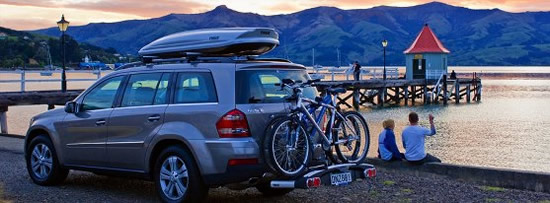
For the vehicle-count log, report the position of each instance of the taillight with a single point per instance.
(313, 182)
(237, 162)
(233, 124)
(370, 173)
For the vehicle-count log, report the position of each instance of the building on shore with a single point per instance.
(426, 58)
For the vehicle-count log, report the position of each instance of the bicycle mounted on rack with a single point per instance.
(297, 147)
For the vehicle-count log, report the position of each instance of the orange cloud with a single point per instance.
(34, 14)
(144, 8)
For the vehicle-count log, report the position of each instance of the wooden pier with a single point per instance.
(378, 93)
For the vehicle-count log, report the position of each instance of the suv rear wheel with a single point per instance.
(177, 177)
(42, 163)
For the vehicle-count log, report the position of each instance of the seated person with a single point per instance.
(387, 149)
(413, 140)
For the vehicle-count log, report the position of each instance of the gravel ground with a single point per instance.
(16, 186)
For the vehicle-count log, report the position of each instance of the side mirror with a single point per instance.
(70, 107)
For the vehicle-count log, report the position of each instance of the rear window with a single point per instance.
(195, 87)
(258, 86)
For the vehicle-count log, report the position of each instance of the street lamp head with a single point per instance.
(63, 24)
(385, 43)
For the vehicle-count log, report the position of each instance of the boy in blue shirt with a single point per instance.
(387, 149)
(413, 140)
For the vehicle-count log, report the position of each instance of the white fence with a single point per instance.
(23, 73)
(346, 73)
(332, 74)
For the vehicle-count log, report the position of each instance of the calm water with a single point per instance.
(510, 128)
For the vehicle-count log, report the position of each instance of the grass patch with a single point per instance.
(389, 183)
(544, 201)
(406, 191)
(492, 200)
(374, 194)
(405, 200)
(492, 189)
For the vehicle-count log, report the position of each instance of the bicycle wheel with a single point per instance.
(352, 140)
(287, 147)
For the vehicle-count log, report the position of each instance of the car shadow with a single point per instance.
(121, 188)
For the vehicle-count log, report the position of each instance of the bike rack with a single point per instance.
(318, 177)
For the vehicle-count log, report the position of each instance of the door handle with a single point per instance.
(100, 122)
(153, 118)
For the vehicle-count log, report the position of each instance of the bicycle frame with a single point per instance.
(328, 103)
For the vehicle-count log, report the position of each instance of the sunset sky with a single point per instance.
(35, 14)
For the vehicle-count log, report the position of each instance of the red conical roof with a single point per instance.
(426, 42)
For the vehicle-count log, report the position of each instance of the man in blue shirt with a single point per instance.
(413, 140)
(387, 149)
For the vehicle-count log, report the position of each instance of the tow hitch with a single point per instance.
(339, 174)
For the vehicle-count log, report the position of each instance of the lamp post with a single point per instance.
(63, 25)
(385, 44)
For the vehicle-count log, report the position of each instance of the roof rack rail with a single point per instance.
(192, 58)
(273, 59)
(129, 65)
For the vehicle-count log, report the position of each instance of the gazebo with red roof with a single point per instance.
(426, 57)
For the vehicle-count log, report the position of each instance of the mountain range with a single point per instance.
(474, 37)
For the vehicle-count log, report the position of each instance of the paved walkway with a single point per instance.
(16, 186)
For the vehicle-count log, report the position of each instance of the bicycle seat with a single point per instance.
(338, 90)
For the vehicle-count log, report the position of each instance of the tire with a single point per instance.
(354, 151)
(42, 162)
(270, 143)
(267, 191)
(176, 185)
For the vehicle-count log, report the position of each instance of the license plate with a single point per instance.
(340, 178)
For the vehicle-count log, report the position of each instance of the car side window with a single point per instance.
(103, 95)
(195, 87)
(140, 89)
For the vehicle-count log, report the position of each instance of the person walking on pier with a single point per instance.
(413, 137)
(356, 71)
(453, 75)
(387, 149)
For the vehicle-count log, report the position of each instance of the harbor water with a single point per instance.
(509, 128)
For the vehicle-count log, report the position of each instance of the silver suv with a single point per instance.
(186, 125)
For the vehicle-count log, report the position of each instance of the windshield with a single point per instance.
(258, 86)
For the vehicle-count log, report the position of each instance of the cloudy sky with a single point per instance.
(34, 14)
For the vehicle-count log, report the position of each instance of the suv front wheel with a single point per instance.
(42, 163)
(177, 177)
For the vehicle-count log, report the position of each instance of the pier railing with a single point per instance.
(23, 80)
(346, 73)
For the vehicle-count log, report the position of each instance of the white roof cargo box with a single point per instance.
(214, 42)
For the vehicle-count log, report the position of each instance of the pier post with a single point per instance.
(381, 97)
(396, 96)
(468, 91)
(3, 119)
(426, 99)
(22, 81)
(413, 90)
(406, 89)
(98, 73)
(356, 101)
(445, 90)
(457, 91)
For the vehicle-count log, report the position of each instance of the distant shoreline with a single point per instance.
(508, 76)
